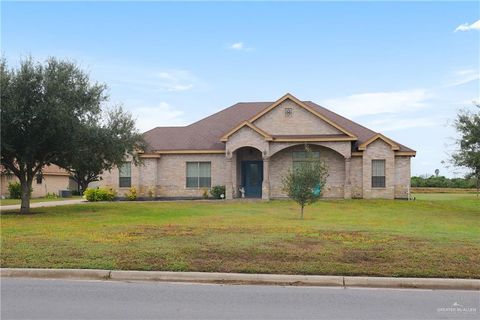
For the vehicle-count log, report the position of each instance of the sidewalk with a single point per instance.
(244, 278)
(44, 204)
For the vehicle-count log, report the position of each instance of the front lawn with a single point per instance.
(422, 238)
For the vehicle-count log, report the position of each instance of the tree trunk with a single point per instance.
(26, 186)
(83, 185)
(301, 212)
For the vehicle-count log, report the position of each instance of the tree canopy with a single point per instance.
(48, 112)
(468, 153)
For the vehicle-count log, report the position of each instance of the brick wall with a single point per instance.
(300, 122)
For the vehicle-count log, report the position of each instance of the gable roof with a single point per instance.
(288, 96)
(251, 126)
(206, 134)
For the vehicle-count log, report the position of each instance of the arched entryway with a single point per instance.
(249, 171)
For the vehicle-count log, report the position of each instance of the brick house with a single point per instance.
(252, 145)
(52, 179)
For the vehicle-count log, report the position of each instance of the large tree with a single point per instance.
(102, 145)
(468, 153)
(44, 108)
(304, 183)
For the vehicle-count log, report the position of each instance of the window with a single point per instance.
(198, 174)
(39, 178)
(125, 175)
(288, 112)
(378, 173)
(300, 157)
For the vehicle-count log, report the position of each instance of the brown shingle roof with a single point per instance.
(206, 133)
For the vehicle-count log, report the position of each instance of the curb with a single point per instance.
(87, 274)
(244, 278)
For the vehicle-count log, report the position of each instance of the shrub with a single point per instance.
(99, 194)
(151, 192)
(131, 194)
(217, 191)
(51, 195)
(15, 190)
(205, 194)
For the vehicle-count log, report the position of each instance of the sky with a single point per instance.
(400, 68)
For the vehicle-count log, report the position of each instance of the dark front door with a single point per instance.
(252, 178)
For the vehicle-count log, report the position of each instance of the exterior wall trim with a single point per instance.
(251, 126)
(406, 153)
(306, 107)
(190, 151)
(313, 139)
(392, 144)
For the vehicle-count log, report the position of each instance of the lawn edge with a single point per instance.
(243, 278)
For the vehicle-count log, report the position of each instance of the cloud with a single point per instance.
(393, 123)
(364, 104)
(464, 76)
(468, 27)
(177, 80)
(239, 46)
(162, 114)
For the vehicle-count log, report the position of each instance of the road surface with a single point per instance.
(68, 299)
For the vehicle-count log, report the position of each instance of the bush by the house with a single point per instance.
(51, 195)
(205, 194)
(15, 190)
(99, 194)
(217, 191)
(131, 194)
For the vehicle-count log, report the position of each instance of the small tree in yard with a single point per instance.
(468, 153)
(304, 184)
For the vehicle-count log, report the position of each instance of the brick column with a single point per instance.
(348, 184)
(228, 180)
(266, 179)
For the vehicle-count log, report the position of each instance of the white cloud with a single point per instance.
(237, 46)
(464, 76)
(390, 123)
(240, 46)
(162, 114)
(379, 102)
(177, 80)
(468, 27)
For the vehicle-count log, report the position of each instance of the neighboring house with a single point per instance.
(51, 180)
(252, 145)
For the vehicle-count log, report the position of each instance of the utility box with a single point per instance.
(64, 193)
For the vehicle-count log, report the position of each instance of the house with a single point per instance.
(252, 145)
(52, 179)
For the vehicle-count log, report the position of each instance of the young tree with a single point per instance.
(468, 153)
(304, 184)
(102, 145)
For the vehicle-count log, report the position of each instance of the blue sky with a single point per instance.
(403, 69)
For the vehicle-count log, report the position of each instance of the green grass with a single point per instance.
(422, 238)
(7, 202)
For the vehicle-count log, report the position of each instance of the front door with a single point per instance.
(252, 178)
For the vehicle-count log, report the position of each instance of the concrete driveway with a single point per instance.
(44, 204)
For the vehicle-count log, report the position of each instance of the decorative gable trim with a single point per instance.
(306, 107)
(251, 126)
(392, 143)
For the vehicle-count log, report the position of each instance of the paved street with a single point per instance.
(60, 299)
